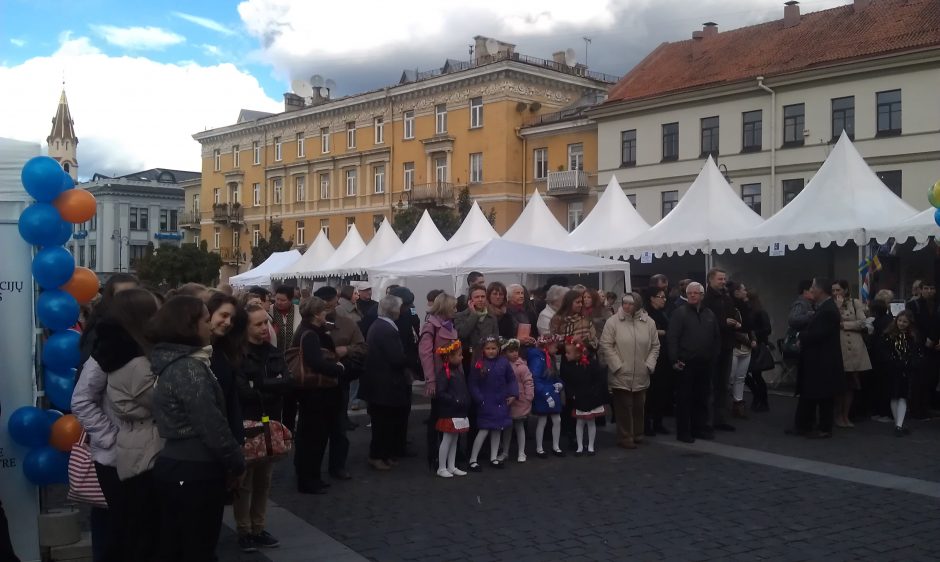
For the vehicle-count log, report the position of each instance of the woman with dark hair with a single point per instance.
(496, 302)
(659, 395)
(201, 461)
(347, 306)
(904, 354)
(229, 323)
(114, 285)
(744, 344)
(568, 321)
(761, 327)
(593, 309)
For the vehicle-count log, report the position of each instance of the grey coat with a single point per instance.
(130, 394)
(472, 328)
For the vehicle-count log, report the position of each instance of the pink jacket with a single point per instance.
(435, 333)
(521, 406)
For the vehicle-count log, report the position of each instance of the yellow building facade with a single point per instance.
(327, 164)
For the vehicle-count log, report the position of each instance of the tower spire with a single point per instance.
(62, 141)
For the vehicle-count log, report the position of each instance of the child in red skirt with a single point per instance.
(453, 406)
(586, 388)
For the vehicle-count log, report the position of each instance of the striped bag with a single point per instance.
(83, 480)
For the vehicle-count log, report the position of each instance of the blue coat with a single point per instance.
(453, 398)
(490, 391)
(544, 385)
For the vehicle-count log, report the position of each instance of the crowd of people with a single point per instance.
(174, 388)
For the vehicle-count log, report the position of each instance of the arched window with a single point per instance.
(66, 167)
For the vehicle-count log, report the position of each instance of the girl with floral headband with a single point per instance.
(453, 403)
(520, 407)
(493, 387)
(586, 389)
(547, 400)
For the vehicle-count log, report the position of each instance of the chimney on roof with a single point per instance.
(791, 13)
(709, 29)
(860, 5)
(293, 102)
(697, 48)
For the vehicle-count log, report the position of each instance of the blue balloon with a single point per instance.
(29, 426)
(936, 217)
(59, 387)
(45, 465)
(53, 267)
(54, 415)
(62, 235)
(41, 225)
(42, 178)
(61, 352)
(67, 181)
(57, 310)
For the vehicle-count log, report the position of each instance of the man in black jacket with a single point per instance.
(693, 337)
(721, 304)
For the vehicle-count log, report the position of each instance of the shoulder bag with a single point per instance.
(83, 480)
(304, 377)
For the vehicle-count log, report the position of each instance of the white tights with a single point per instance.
(447, 453)
(739, 365)
(519, 426)
(556, 432)
(478, 444)
(899, 410)
(591, 431)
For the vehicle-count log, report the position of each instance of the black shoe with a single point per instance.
(579, 453)
(341, 474)
(318, 488)
(795, 432)
(685, 438)
(901, 431)
(264, 539)
(496, 463)
(662, 430)
(706, 435)
(246, 543)
(649, 432)
(541, 454)
(724, 427)
(475, 467)
(559, 453)
(591, 453)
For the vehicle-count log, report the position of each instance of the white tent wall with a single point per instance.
(674, 267)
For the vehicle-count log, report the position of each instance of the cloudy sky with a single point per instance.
(142, 77)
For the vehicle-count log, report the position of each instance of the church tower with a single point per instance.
(62, 141)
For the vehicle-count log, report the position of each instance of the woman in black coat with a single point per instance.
(659, 398)
(761, 327)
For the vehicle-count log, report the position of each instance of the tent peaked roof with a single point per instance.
(349, 248)
(537, 226)
(612, 222)
(424, 239)
(921, 227)
(261, 275)
(474, 229)
(316, 254)
(709, 210)
(384, 243)
(844, 198)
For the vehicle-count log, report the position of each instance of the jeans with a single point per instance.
(191, 519)
(322, 422)
(107, 524)
(251, 503)
(739, 365)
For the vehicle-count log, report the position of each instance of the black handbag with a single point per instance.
(790, 348)
(762, 359)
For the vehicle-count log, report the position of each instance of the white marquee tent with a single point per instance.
(349, 248)
(843, 200)
(424, 239)
(316, 255)
(383, 244)
(612, 222)
(537, 226)
(921, 227)
(709, 210)
(261, 275)
(473, 229)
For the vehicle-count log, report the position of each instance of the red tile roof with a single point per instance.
(821, 39)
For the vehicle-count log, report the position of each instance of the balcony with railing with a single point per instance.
(231, 255)
(569, 183)
(189, 220)
(437, 194)
(228, 213)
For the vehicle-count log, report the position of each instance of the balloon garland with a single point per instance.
(47, 223)
(933, 195)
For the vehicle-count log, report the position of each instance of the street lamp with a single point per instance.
(118, 235)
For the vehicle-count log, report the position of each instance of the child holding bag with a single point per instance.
(453, 405)
(520, 407)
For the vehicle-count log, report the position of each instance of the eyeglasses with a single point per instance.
(659, 296)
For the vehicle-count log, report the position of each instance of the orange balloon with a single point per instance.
(75, 205)
(65, 433)
(83, 285)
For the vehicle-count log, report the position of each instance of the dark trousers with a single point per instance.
(191, 519)
(806, 412)
(141, 517)
(6, 545)
(389, 431)
(107, 524)
(322, 422)
(923, 385)
(289, 412)
(758, 387)
(659, 396)
(720, 399)
(692, 392)
(433, 436)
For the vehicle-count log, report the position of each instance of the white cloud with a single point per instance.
(205, 22)
(138, 37)
(211, 50)
(17, 42)
(130, 113)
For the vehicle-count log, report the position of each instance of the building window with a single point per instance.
(891, 179)
(137, 252)
(256, 194)
(843, 117)
(217, 238)
(576, 156)
(440, 169)
(133, 218)
(628, 148)
(378, 179)
(409, 118)
(791, 188)
(164, 220)
(93, 223)
(234, 196)
(575, 215)
(217, 159)
(889, 113)
(669, 201)
(235, 156)
(277, 149)
(300, 189)
(350, 223)
(81, 256)
(196, 205)
(256, 152)
(750, 194)
(409, 178)
(324, 186)
(139, 218)
(710, 137)
(325, 227)
(278, 190)
(216, 196)
(299, 239)
(632, 198)
(440, 118)
(174, 220)
(476, 167)
(92, 256)
(255, 234)
(540, 157)
(793, 124)
(670, 142)
(325, 140)
(300, 145)
(144, 218)
(236, 239)
(476, 112)
(351, 135)
(753, 131)
(379, 125)
(350, 183)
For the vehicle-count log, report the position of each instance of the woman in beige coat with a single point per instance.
(630, 347)
(854, 353)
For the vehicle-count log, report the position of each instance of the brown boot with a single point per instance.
(738, 410)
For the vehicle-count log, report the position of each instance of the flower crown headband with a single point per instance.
(448, 349)
(579, 345)
(511, 343)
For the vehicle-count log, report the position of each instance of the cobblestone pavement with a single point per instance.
(655, 503)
